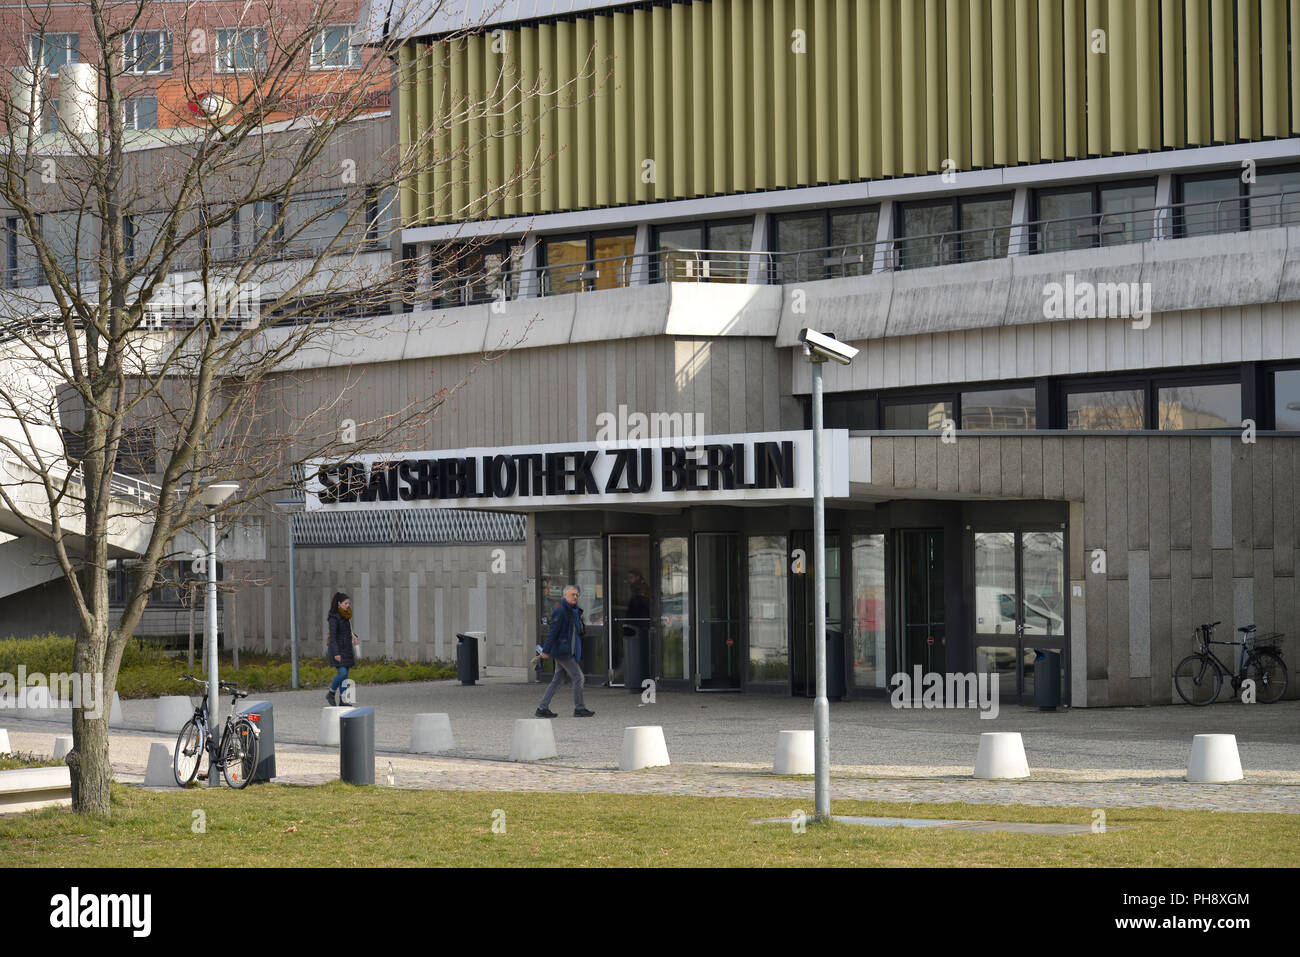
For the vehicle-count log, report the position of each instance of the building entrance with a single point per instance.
(629, 608)
(922, 637)
(803, 610)
(718, 597)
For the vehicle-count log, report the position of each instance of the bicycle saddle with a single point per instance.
(1247, 629)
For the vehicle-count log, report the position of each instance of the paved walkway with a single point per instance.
(722, 744)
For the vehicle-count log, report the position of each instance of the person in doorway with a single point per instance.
(564, 644)
(342, 642)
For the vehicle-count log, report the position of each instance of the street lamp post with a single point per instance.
(212, 496)
(818, 348)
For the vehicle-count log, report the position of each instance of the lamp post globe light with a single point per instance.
(213, 495)
(817, 348)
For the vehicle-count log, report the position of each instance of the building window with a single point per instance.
(999, 409)
(50, 116)
(52, 50)
(1223, 203)
(147, 51)
(241, 48)
(1275, 198)
(140, 113)
(379, 214)
(315, 222)
(717, 251)
(825, 243)
(468, 273)
(1199, 406)
(332, 49)
(917, 416)
(586, 261)
(1286, 400)
(965, 229)
(1083, 217)
(11, 252)
(1108, 410)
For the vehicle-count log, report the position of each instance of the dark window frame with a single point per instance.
(1269, 374)
(956, 202)
(1096, 189)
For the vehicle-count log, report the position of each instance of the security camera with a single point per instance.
(820, 346)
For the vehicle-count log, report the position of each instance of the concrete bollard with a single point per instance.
(431, 733)
(794, 753)
(328, 735)
(1214, 759)
(643, 747)
(1001, 755)
(171, 712)
(4, 742)
(533, 740)
(357, 746)
(115, 718)
(159, 772)
(62, 745)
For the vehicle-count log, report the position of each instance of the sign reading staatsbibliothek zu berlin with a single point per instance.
(753, 466)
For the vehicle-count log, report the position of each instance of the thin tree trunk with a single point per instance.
(191, 654)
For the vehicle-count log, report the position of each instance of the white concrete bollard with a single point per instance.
(643, 747)
(159, 772)
(171, 712)
(534, 739)
(115, 718)
(794, 753)
(1001, 755)
(431, 733)
(62, 745)
(4, 742)
(1214, 759)
(329, 725)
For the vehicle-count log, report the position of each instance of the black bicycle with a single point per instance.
(1199, 676)
(237, 753)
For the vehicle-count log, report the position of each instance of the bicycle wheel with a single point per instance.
(1197, 680)
(1269, 674)
(189, 753)
(240, 757)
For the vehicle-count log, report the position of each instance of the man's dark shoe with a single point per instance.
(329, 698)
(545, 713)
(584, 713)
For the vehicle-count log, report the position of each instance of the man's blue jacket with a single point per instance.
(562, 639)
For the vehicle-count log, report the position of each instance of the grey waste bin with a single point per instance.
(466, 659)
(834, 665)
(1047, 680)
(636, 654)
(265, 741)
(357, 746)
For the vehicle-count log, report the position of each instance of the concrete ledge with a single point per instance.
(28, 789)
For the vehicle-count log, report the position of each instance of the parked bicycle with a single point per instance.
(237, 753)
(1199, 676)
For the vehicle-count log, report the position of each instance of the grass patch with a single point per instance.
(21, 759)
(147, 672)
(341, 825)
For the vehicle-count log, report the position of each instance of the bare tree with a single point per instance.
(165, 278)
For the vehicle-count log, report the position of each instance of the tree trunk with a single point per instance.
(89, 760)
(190, 659)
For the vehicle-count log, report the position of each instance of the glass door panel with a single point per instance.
(869, 611)
(674, 608)
(922, 638)
(769, 650)
(629, 592)
(717, 650)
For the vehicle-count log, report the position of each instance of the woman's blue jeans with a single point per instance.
(339, 678)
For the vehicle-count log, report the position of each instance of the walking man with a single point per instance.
(564, 644)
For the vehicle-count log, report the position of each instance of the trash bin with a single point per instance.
(265, 741)
(1047, 680)
(466, 659)
(636, 655)
(834, 664)
(357, 746)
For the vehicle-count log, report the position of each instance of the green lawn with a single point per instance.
(337, 824)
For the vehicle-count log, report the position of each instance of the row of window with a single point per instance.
(1164, 401)
(841, 241)
(237, 49)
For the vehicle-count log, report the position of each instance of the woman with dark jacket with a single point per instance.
(342, 641)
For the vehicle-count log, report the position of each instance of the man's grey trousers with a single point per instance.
(566, 669)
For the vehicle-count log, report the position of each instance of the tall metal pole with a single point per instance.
(293, 611)
(214, 699)
(821, 706)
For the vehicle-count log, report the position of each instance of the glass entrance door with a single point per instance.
(922, 637)
(718, 587)
(629, 602)
(803, 653)
(1019, 605)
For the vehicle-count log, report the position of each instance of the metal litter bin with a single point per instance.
(1047, 680)
(265, 741)
(467, 659)
(357, 746)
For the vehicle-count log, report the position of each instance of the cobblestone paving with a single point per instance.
(1263, 791)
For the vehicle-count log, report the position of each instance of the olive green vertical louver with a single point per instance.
(707, 97)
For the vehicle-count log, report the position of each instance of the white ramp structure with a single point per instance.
(1001, 755)
(1214, 759)
(431, 733)
(533, 740)
(794, 753)
(643, 747)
